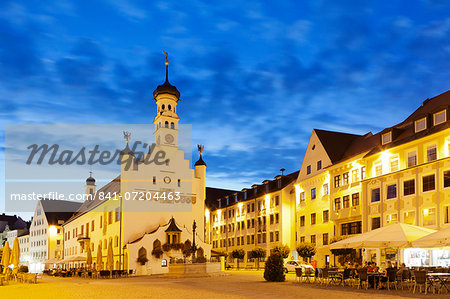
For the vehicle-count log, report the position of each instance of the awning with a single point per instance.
(441, 238)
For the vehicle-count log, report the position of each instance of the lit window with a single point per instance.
(363, 173)
(302, 196)
(431, 153)
(439, 117)
(355, 175)
(429, 217)
(325, 189)
(345, 178)
(346, 201)
(412, 159)
(386, 138)
(394, 164)
(391, 218)
(410, 217)
(337, 203)
(420, 124)
(378, 169)
(446, 178)
(337, 181)
(355, 199)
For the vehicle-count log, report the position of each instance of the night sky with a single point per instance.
(255, 76)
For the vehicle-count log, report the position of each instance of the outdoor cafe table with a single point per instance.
(441, 278)
(335, 276)
(375, 278)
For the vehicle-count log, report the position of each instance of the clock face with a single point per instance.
(169, 138)
(167, 180)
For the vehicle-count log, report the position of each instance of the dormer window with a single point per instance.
(439, 117)
(420, 124)
(386, 138)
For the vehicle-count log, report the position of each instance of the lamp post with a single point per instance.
(194, 247)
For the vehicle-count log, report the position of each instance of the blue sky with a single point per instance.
(255, 76)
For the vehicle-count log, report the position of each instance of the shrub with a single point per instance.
(283, 250)
(306, 251)
(274, 268)
(187, 249)
(23, 269)
(238, 254)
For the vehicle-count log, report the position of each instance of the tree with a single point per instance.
(283, 250)
(238, 254)
(274, 268)
(187, 249)
(306, 251)
(258, 253)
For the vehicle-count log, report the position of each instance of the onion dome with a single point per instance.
(90, 180)
(127, 151)
(200, 162)
(166, 87)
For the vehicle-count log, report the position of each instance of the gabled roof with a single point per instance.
(58, 210)
(213, 194)
(335, 143)
(13, 222)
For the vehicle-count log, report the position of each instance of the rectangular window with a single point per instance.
(117, 214)
(409, 187)
(302, 196)
(345, 178)
(428, 183)
(346, 201)
(386, 138)
(351, 228)
(375, 195)
(302, 239)
(319, 164)
(392, 191)
(337, 203)
(271, 237)
(447, 214)
(277, 218)
(439, 117)
(302, 220)
(325, 189)
(391, 218)
(420, 124)
(271, 219)
(394, 164)
(376, 223)
(313, 193)
(410, 217)
(446, 178)
(326, 216)
(92, 225)
(308, 169)
(429, 217)
(355, 199)
(325, 239)
(110, 217)
(412, 159)
(337, 181)
(363, 173)
(277, 200)
(277, 236)
(253, 206)
(355, 175)
(313, 239)
(313, 218)
(378, 169)
(431, 153)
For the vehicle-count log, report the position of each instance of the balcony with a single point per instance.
(83, 239)
(344, 213)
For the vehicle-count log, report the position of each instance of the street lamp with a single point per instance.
(194, 247)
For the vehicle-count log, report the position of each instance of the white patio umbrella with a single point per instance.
(391, 236)
(441, 238)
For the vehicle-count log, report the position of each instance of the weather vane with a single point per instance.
(167, 57)
(200, 148)
(127, 136)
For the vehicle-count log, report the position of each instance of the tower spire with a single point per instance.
(167, 65)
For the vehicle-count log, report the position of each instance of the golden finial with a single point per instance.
(200, 148)
(167, 57)
(127, 136)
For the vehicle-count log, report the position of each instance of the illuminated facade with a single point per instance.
(261, 216)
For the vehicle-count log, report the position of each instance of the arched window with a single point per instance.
(172, 125)
(170, 107)
(142, 256)
(167, 124)
(163, 106)
(116, 241)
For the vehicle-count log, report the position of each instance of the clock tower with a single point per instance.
(166, 119)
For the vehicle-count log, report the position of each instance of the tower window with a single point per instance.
(167, 124)
(172, 125)
(170, 107)
(163, 107)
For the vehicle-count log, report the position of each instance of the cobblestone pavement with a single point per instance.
(233, 284)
